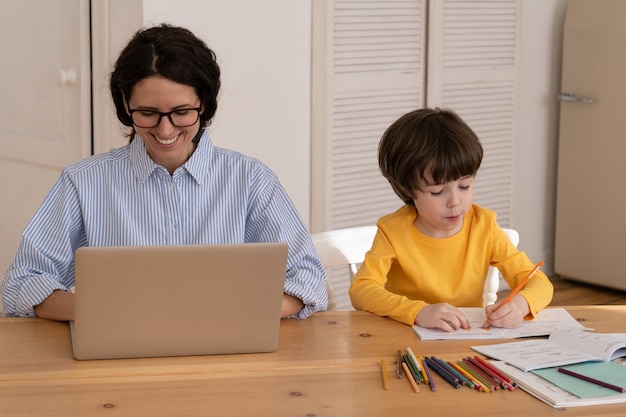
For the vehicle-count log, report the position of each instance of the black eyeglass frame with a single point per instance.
(161, 114)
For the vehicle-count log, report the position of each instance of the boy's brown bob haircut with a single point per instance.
(434, 142)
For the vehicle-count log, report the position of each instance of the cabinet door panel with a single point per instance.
(45, 111)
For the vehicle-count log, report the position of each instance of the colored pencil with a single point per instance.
(424, 374)
(431, 382)
(453, 374)
(516, 290)
(407, 372)
(462, 378)
(414, 372)
(472, 370)
(473, 382)
(592, 380)
(383, 370)
(479, 370)
(480, 385)
(495, 379)
(413, 365)
(409, 352)
(436, 367)
(497, 372)
(399, 364)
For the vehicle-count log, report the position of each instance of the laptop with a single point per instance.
(155, 301)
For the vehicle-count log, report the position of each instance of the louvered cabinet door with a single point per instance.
(376, 60)
(373, 61)
(368, 69)
(473, 64)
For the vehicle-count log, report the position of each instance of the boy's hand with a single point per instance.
(509, 315)
(442, 316)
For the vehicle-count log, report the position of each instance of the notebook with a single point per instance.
(154, 301)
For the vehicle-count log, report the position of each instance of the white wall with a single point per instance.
(537, 140)
(264, 51)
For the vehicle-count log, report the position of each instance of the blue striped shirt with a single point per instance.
(122, 198)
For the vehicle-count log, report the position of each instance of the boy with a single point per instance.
(431, 256)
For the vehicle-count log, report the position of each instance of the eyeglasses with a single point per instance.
(178, 118)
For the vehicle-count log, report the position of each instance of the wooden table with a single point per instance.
(327, 365)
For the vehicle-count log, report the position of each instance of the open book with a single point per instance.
(561, 348)
(546, 322)
(551, 394)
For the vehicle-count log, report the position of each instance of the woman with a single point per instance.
(170, 185)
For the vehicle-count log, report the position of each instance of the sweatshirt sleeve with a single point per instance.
(368, 292)
(514, 265)
(538, 291)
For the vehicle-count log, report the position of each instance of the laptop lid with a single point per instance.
(151, 301)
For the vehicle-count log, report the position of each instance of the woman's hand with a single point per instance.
(509, 315)
(442, 316)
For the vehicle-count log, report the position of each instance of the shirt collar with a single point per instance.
(197, 165)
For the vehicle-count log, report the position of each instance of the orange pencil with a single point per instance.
(516, 290)
(409, 376)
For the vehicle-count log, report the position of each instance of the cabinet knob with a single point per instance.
(67, 76)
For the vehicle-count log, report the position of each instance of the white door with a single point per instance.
(45, 105)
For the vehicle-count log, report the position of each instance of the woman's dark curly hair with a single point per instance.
(171, 52)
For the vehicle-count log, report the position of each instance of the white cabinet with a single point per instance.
(590, 223)
(45, 105)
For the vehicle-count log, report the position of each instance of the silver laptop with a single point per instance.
(152, 301)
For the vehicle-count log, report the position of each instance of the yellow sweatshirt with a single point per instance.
(406, 270)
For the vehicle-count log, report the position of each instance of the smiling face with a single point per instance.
(442, 207)
(167, 145)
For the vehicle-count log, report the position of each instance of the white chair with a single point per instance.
(341, 248)
(492, 282)
(347, 247)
